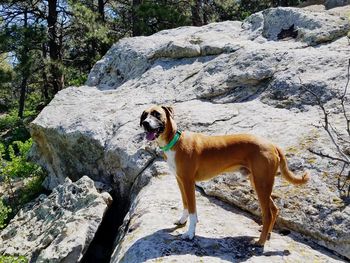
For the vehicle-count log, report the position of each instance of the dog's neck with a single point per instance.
(168, 134)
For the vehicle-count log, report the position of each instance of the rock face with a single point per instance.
(221, 78)
(223, 233)
(58, 227)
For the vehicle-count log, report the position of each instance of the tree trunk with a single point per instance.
(101, 9)
(136, 31)
(196, 10)
(45, 86)
(205, 11)
(54, 48)
(22, 97)
(24, 67)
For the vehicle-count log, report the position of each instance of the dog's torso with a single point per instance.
(207, 156)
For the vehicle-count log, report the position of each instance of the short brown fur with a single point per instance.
(200, 157)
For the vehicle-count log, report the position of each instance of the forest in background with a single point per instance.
(48, 45)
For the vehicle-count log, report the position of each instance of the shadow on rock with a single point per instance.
(162, 244)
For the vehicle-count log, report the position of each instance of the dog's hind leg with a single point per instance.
(263, 178)
(274, 212)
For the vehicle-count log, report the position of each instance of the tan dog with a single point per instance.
(196, 157)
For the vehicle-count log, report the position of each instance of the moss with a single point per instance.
(311, 160)
(304, 144)
(196, 41)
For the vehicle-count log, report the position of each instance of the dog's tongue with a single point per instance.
(151, 136)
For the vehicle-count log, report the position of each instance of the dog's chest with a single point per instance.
(170, 155)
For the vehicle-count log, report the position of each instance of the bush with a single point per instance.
(4, 214)
(17, 166)
(31, 189)
(12, 128)
(9, 121)
(13, 259)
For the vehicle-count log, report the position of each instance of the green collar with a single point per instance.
(173, 141)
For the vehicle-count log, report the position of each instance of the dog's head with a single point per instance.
(154, 120)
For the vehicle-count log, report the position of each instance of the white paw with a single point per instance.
(188, 235)
(180, 222)
(191, 228)
(183, 218)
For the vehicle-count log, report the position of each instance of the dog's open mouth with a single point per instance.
(152, 135)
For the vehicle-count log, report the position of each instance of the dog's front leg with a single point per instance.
(189, 187)
(183, 219)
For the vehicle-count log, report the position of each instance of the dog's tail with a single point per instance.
(288, 175)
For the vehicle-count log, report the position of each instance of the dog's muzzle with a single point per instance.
(152, 133)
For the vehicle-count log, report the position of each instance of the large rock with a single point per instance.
(221, 78)
(58, 227)
(223, 233)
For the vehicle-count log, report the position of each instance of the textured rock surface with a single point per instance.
(58, 227)
(221, 78)
(223, 233)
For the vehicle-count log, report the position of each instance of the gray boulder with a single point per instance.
(224, 234)
(58, 227)
(221, 78)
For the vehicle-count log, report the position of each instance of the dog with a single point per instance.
(197, 157)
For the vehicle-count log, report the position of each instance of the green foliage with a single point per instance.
(6, 69)
(4, 214)
(224, 10)
(6, 76)
(31, 189)
(12, 128)
(75, 77)
(89, 39)
(9, 121)
(18, 166)
(33, 100)
(13, 259)
(154, 16)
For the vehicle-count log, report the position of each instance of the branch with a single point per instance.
(321, 154)
(342, 99)
(340, 175)
(326, 126)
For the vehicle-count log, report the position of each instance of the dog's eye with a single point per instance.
(155, 114)
(143, 117)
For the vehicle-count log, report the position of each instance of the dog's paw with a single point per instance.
(255, 243)
(180, 222)
(187, 236)
(183, 219)
(259, 243)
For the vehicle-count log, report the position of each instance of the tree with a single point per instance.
(54, 45)
(21, 36)
(87, 39)
(53, 41)
(149, 17)
(6, 76)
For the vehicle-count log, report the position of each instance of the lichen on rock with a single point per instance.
(58, 227)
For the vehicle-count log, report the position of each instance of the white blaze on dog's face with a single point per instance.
(154, 121)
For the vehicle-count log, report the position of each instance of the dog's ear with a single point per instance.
(169, 111)
(143, 117)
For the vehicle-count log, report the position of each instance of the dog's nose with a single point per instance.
(146, 125)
